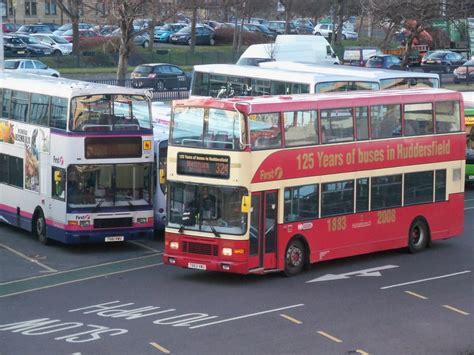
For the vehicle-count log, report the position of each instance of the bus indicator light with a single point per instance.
(147, 145)
(239, 251)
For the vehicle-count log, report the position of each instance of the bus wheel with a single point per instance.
(294, 257)
(418, 236)
(40, 228)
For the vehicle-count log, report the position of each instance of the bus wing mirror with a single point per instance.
(162, 176)
(245, 207)
(57, 176)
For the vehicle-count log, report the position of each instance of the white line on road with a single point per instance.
(80, 268)
(468, 208)
(423, 280)
(246, 316)
(16, 252)
(160, 348)
(79, 280)
(471, 199)
(145, 246)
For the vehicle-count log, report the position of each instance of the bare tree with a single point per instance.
(71, 8)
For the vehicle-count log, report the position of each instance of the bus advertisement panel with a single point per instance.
(276, 183)
(76, 160)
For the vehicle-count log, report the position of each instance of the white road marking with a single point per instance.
(16, 252)
(245, 316)
(145, 246)
(455, 310)
(291, 319)
(423, 280)
(80, 268)
(79, 280)
(375, 271)
(416, 295)
(329, 336)
(468, 208)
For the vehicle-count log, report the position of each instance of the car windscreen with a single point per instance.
(11, 64)
(437, 55)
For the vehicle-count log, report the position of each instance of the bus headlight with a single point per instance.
(174, 245)
(227, 251)
(142, 220)
(85, 224)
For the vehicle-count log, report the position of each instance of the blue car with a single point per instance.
(163, 33)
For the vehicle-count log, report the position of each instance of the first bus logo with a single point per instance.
(58, 160)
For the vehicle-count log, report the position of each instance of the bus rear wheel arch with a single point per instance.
(296, 256)
(39, 227)
(418, 235)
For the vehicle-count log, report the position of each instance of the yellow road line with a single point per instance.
(455, 310)
(291, 319)
(160, 348)
(362, 352)
(416, 295)
(324, 334)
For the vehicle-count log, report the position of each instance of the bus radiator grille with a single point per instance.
(198, 248)
(113, 222)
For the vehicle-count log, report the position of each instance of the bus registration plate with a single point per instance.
(196, 266)
(117, 238)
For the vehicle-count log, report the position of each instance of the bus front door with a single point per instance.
(263, 230)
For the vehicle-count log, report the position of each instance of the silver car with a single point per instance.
(30, 66)
(60, 45)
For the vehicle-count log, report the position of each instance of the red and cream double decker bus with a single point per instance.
(76, 159)
(266, 184)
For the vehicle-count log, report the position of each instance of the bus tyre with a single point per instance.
(418, 236)
(40, 228)
(294, 257)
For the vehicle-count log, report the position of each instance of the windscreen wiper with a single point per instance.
(181, 229)
(98, 205)
(213, 229)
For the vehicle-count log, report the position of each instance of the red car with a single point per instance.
(84, 36)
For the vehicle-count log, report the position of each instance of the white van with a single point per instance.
(301, 48)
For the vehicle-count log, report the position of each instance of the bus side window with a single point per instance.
(448, 118)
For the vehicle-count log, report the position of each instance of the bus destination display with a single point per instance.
(203, 165)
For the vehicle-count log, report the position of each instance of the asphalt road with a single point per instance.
(121, 299)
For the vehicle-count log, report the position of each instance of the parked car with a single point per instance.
(163, 33)
(326, 30)
(14, 47)
(52, 26)
(84, 36)
(68, 26)
(104, 30)
(358, 56)
(10, 27)
(279, 27)
(384, 61)
(30, 66)
(27, 29)
(59, 44)
(464, 72)
(140, 40)
(160, 76)
(204, 35)
(261, 29)
(35, 47)
(441, 60)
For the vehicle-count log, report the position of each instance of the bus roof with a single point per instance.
(276, 73)
(60, 87)
(260, 104)
(371, 73)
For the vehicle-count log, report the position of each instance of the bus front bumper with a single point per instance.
(100, 236)
(206, 264)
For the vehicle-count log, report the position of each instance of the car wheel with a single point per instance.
(418, 236)
(317, 34)
(55, 76)
(344, 37)
(447, 69)
(57, 52)
(137, 84)
(146, 44)
(189, 42)
(295, 257)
